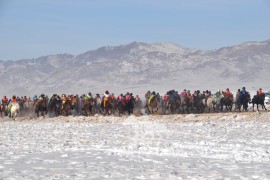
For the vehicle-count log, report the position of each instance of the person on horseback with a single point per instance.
(153, 94)
(106, 97)
(64, 100)
(207, 94)
(184, 93)
(24, 99)
(127, 96)
(227, 92)
(259, 92)
(158, 95)
(5, 100)
(88, 98)
(242, 94)
(119, 98)
(217, 94)
(13, 99)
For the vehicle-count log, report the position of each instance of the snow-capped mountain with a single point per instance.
(138, 67)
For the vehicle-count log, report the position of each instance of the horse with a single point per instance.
(87, 108)
(97, 106)
(54, 106)
(184, 103)
(121, 106)
(258, 100)
(41, 106)
(130, 105)
(13, 109)
(212, 102)
(28, 107)
(4, 109)
(227, 101)
(243, 101)
(198, 103)
(66, 108)
(153, 104)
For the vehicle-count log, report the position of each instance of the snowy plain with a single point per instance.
(206, 146)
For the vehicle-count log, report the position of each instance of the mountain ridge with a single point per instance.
(139, 67)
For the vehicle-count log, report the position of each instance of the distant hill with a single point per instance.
(139, 67)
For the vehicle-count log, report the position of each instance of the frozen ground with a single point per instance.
(148, 147)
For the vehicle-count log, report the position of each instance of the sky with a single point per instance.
(34, 28)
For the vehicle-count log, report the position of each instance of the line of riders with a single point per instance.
(72, 104)
(197, 102)
(106, 104)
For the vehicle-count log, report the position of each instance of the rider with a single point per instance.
(106, 97)
(217, 94)
(13, 99)
(242, 93)
(153, 94)
(184, 93)
(89, 97)
(24, 99)
(127, 96)
(207, 94)
(137, 99)
(238, 93)
(64, 99)
(119, 98)
(259, 92)
(5, 100)
(227, 92)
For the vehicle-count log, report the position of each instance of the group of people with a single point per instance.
(99, 99)
(102, 99)
(198, 99)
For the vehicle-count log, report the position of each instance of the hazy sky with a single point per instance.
(32, 28)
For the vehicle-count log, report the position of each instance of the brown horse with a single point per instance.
(153, 104)
(227, 101)
(4, 109)
(88, 108)
(41, 106)
(121, 107)
(66, 108)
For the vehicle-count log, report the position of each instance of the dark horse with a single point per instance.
(198, 103)
(130, 105)
(243, 101)
(54, 106)
(121, 106)
(41, 106)
(258, 100)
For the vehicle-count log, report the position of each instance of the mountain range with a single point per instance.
(138, 67)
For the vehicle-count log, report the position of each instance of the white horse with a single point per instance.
(213, 102)
(15, 107)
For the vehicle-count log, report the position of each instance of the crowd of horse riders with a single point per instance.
(171, 102)
(197, 102)
(73, 104)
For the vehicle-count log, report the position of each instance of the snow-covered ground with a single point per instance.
(206, 146)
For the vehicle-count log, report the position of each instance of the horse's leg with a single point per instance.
(258, 107)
